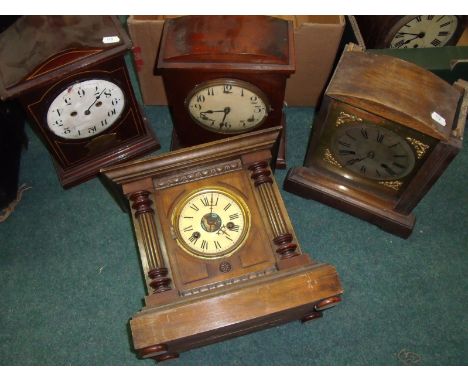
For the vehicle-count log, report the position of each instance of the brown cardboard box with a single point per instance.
(316, 37)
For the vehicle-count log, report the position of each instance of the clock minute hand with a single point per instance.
(97, 97)
(226, 111)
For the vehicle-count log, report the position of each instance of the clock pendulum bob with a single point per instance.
(385, 132)
(218, 249)
(225, 75)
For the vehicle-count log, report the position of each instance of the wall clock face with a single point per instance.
(227, 106)
(211, 223)
(425, 32)
(373, 152)
(85, 109)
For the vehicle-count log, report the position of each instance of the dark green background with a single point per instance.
(70, 276)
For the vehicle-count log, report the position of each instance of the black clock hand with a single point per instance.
(412, 34)
(355, 160)
(227, 110)
(97, 97)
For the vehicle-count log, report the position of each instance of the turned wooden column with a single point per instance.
(261, 175)
(144, 214)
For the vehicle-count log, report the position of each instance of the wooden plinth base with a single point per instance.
(239, 309)
(310, 184)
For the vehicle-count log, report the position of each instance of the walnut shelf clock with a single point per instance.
(386, 131)
(225, 75)
(218, 250)
(69, 74)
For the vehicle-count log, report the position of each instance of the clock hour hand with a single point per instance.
(355, 160)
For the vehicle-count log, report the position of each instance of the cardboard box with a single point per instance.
(317, 39)
(449, 62)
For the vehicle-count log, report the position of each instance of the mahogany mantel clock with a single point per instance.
(69, 74)
(225, 75)
(386, 131)
(218, 250)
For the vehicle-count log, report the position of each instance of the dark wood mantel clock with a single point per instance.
(218, 250)
(386, 131)
(69, 74)
(225, 75)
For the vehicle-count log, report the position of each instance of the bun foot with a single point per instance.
(327, 303)
(311, 316)
(165, 357)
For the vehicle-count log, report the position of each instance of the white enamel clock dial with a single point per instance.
(227, 106)
(425, 32)
(373, 152)
(211, 223)
(85, 109)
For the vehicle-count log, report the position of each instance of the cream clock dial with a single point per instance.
(425, 32)
(211, 223)
(85, 109)
(373, 152)
(227, 106)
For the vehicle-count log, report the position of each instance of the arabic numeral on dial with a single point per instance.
(115, 101)
(58, 122)
(67, 131)
(227, 89)
(67, 101)
(92, 130)
(81, 92)
(254, 99)
(258, 109)
(107, 93)
(104, 122)
(112, 112)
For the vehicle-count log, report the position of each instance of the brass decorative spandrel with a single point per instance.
(419, 147)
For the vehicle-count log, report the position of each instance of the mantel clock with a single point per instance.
(403, 32)
(386, 131)
(225, 75)
(218, 250)
(69, 74)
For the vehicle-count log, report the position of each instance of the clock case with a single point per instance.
(378, 31)
(73, 51)
(265, 282)
(398, 95)
(196, 49)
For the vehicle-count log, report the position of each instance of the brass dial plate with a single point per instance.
(211, 223)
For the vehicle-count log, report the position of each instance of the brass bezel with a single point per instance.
(222, 190)
(231, 81)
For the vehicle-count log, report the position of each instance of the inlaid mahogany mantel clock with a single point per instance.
(386, 131)
(69, 74)
(218, 250)
(225, 75)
